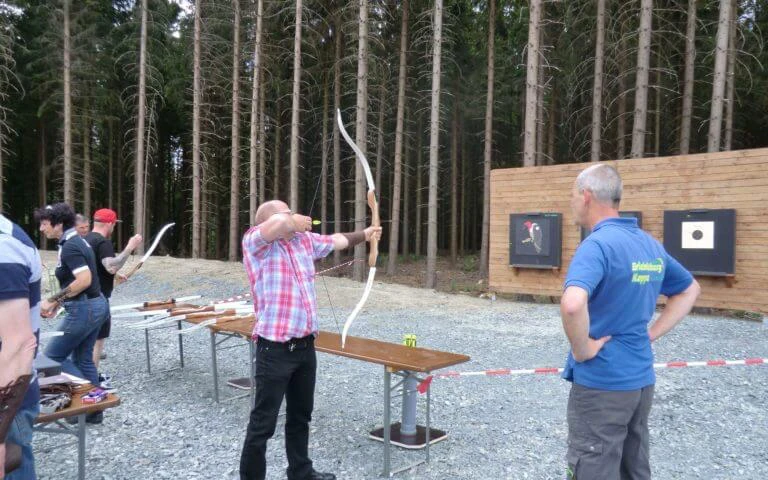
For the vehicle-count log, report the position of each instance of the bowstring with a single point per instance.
(321, 274)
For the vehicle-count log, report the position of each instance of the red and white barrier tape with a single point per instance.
(244, 296)
(424, 385)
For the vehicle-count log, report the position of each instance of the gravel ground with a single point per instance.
(706, 422)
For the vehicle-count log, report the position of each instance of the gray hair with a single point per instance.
(80, 219)
(603, 181)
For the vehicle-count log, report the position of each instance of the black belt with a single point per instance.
(291, 345)
(83, 296)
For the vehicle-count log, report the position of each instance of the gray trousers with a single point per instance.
(608, 434)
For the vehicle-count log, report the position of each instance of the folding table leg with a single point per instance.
(146, 349)
(214, 368)
(387, 420)
(181, 346)
(81, 446)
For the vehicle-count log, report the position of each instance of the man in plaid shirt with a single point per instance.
(279, 253)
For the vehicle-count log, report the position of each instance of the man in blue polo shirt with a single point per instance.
(611, 289)
(20, 272)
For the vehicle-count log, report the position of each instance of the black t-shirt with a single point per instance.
(75, 255)
(102, 248)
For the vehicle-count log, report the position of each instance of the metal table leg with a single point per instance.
(181, 346)
(81, 447)
(214, 368)
(387, 413)
(146, 349)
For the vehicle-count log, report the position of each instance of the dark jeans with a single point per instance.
(608, 434)
(281, 372)
(74, 349)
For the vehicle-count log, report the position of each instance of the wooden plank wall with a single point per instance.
(737, 179)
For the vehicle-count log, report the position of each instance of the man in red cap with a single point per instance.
(107, 264)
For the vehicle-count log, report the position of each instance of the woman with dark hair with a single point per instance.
(86, 308)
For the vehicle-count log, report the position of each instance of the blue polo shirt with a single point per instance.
(623, 269)
(20, 274)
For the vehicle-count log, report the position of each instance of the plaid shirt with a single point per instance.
(282, 278)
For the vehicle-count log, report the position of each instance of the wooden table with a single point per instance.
(400, 360)
(405, 362)
(52, 423)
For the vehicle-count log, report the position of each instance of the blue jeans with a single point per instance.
(20, 433)
(74, 349)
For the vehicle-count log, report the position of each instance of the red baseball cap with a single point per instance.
(105, 215)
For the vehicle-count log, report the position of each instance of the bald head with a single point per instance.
(267, 209)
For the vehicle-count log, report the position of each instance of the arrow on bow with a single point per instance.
(375, 222)
(149, 252)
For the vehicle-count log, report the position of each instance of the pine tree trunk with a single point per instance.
(419, 181)
(120, 192)
(262, 139)
(380, 137)
(141, 113)
(394, 231)
(657, 113)
(294, 169)
(540, 91)
(597, 89)
(87, 167)
(196, 101)
(336, 139)
(234, 180)
(257, 127)
(532, 82)
(206, 220)
(488, 141)
(454, 232)
(730, 82)
(324, 162)
(551, 132)
(111, 165)
(718, 84)
(405, 240)
(641, 85)
(276, 151)
(69, 196)
(621, 114)
(361, 134)
(690, 59)
(434, 147)
(463, 196)
(42, 198)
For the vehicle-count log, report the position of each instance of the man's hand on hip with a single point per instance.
(589, 349)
